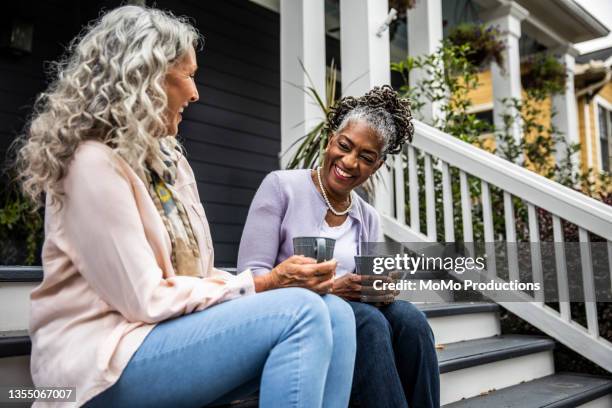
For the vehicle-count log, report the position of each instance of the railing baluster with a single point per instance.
(447, 198)
(400, 195)
(487, 220)
(466, 208)
(588, 282)
(413, 180)
(513, 269)
(430, 199)
(536, 253)
(564, 305)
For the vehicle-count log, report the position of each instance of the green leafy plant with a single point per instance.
(484, 43)
(21, 227)
(311, 146)
(449, 78)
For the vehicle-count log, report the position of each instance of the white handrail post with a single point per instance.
(511, 244)
(302, 39)
(489, 233)
(430, 200)
(560, 263)
(588, 283)
(447, 198)
(413, 181)
(536, 253)
(365, 60)
(400, 182)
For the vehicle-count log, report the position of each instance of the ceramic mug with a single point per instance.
(319, 248)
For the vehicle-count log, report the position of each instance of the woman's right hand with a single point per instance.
(303, 272)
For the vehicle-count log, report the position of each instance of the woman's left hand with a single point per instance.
(348, 286)
(360, 288)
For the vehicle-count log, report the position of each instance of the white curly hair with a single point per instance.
(108, 87)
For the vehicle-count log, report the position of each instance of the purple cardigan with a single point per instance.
(288, 205)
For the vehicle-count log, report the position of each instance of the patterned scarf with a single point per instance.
(161, 175)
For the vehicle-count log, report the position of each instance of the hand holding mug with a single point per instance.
(303, 272)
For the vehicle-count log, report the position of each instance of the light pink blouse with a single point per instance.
(108, 277)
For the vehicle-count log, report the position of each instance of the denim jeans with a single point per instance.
(296, 347)
(396, 364)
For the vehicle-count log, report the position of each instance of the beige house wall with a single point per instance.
(482, 96)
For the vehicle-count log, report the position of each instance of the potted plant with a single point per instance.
(310, 147)
(484, 43)
(543, 73)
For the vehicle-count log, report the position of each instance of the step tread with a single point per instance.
(470, 353)
(21, 273)
(561, 390)
(14, 343)
(456, 308)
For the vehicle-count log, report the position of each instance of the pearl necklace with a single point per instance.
(332, 209)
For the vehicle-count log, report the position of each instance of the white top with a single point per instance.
(346, 244)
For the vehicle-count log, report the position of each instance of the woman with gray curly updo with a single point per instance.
(131, 310)
(396, 364)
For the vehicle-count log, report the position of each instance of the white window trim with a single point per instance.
(598, 100)
(483, 107)
(480, 108)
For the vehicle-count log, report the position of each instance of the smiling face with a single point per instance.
(353, 154)
(180, 89)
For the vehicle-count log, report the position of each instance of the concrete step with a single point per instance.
(562, 390)
(469, 368)
(454, 322)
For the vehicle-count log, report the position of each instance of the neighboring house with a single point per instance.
(594, 98)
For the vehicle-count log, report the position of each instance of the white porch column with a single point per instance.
(302, 39)
(507, 84)
(365, 60)
(566, 119)
(424, 23)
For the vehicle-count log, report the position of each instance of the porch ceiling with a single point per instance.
(557, 20)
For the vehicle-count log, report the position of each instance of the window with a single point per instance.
(604, 118)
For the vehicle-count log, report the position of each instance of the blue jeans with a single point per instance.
(296, 347)
(396, 364)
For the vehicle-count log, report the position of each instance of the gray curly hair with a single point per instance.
(108, 87)
(377, 119)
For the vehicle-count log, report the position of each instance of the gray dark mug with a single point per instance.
(365, 266)
(319, 248)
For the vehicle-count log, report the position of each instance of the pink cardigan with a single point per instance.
(108, 277)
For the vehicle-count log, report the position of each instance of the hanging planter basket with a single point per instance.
(543, 73)
(485, 44)
(402, 7)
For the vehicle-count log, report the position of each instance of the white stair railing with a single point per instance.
(589, 215)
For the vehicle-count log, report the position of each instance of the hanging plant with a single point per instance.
(402, 7)
(485, 43)
(543, 74)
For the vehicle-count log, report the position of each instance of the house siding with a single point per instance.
(231, 135)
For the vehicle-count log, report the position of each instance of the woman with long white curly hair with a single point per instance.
(131, 310)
